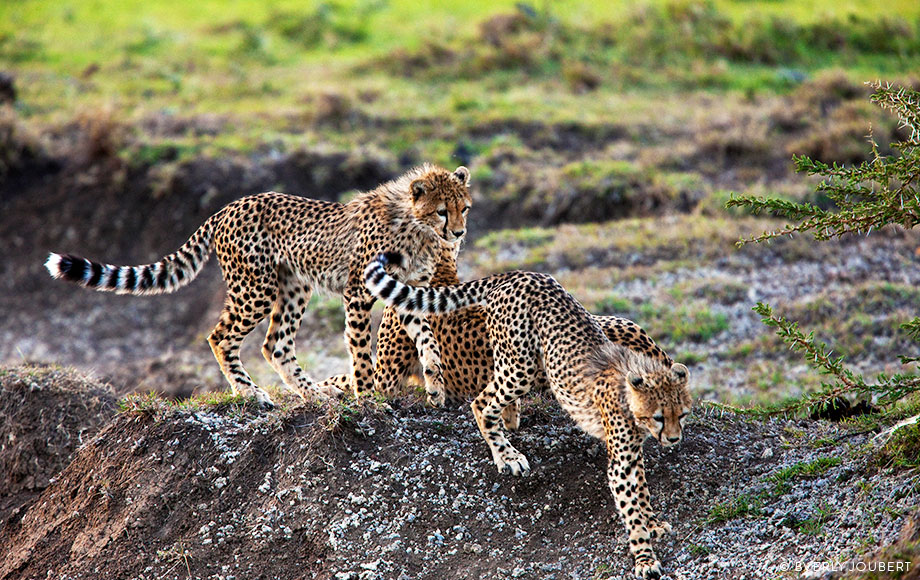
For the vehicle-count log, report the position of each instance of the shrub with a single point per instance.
(882, 191)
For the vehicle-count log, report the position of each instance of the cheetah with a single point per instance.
(276, 249)
(618, 395)
(466, 353)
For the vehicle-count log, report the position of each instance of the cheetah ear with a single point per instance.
(462, 174)
(680, 372)
(418, 188)
(634, 380)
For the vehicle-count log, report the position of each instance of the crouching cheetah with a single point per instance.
(466, 352)
(276, 249)
(616, 394)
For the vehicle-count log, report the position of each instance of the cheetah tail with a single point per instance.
(169, 274)
(422, 300)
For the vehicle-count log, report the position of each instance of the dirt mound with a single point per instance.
(219, 490)
(46, 414)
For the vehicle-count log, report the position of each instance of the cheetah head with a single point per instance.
(441, 200)
(660, 401)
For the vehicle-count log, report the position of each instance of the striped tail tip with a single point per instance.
(66, 266)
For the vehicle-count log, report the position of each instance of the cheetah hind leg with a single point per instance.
(225, 341)
(488, 411)
(278, 348)
(511, 414)
(647, 567)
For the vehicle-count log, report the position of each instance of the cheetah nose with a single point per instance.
(459, 233)
(673, 440)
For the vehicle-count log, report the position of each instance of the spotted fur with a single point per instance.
(466, 352)
(276, 249)
(538, 331)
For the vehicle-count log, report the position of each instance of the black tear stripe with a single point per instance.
(96, 274)
(130, 279)
(73, 268)
(388, 289)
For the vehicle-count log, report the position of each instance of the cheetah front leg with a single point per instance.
(511, 415)
(429, 354)
(358, 303)
(656, 528)
(626, 478)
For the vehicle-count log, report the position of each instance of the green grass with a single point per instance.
(751, 504)
(782, 479)
(219, 401)
(903, 448)
(742, 506)
(267, 60)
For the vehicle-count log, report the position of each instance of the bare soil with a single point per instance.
(46, 414)
(400, 491)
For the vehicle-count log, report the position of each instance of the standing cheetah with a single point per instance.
(276, 249)
(538, 330)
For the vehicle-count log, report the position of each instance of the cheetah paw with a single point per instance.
(436, 398)
(647, 568)
(513, 462)
(434, 386)
(324, 391)
(262, 400)
(658, 529)
(331, 388)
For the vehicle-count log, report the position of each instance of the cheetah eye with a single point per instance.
(465, 210)
(658, 418)
(442, 212)
(683, 415)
